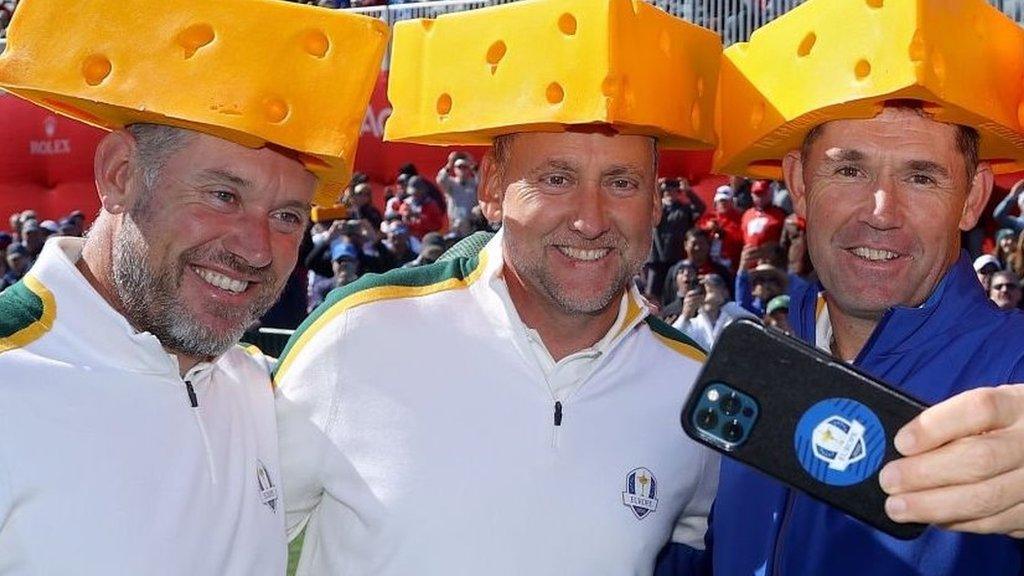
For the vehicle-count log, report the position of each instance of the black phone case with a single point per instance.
(786, 377)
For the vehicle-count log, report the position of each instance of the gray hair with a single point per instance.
(155, 144)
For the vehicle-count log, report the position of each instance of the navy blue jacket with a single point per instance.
(956, 341)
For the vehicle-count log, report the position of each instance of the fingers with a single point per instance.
(985, 503)
(972, 412)
(968, 460)
(1006, 522)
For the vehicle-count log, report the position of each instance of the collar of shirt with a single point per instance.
(93, 333)
(564, 376)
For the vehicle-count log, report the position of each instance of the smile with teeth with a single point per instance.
(221, 281)
(873, 254)
(582, 254)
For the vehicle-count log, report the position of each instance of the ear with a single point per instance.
(793, 172)
(977, 196)
(112, 167)
(492, 192)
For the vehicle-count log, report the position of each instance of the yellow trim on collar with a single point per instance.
(376, 294)
(684, 349)
(37, 328)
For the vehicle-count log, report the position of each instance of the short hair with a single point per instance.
(1007, 274)
(697, 233)
(154, 145)
(968, 140)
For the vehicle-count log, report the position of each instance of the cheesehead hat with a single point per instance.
(843, 59)
(543, 65)
(249, 71)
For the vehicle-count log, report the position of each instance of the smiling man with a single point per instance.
(888, 167)
(528, 423)
(135, 436)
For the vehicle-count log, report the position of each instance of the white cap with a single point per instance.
(984, 260)
(724, 192)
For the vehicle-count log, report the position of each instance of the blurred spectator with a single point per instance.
(6, 12)
(780, 196)
(420, 211)
(741, 192)
(1006, 244)
(360, 206)
(458, 182)
(706, 311)
(18, 263)
(33, 236)
(794, 245)
(762, 223)
(398, 244)
(1013, 200)
(755, 288)
(686, 280)
(698, 252)
(680, 209)
(1005, 290)
(777, 314)
(985, 266)
(723, 226)
(1016, 259)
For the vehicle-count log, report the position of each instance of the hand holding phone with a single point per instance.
(801, 416)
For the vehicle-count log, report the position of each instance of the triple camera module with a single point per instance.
(725, 415)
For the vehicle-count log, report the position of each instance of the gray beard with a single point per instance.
(151, 303)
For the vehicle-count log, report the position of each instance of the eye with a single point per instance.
(848, 171)
(623, 184)
(290, 219)
(556, 180)
(922, 180)
(224, 196)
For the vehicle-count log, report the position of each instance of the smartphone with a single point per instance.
(801, 416)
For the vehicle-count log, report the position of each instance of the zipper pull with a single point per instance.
(192, 399)
(558, 413)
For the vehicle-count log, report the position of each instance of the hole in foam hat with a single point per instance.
(315, 43)
(275, 110)
(555, 94)
(567, 24)
(862, 70)
(95, 69)
(876, 3)
(806, 44)
(195, 37)
(495, 53)
(444, 104)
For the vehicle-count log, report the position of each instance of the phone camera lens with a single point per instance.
(707, 419)
(733, 431)
(731, 404)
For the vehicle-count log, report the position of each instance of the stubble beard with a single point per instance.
(151, 299)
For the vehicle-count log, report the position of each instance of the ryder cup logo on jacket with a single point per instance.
(268, 492)
(641, 495)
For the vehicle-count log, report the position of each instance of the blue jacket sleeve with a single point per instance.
(743, 295)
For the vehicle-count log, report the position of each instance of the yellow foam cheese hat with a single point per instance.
(249, 71)
(843, 59)
(542, 65)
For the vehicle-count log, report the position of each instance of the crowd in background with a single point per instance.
(745, 255)
(739, 257)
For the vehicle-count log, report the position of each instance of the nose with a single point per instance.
(885, 206)
(590, 218)
(250, 240)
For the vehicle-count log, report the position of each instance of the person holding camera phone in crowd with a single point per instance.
(707, 310)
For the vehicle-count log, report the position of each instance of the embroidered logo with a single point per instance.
(641, 495)
(268, 492)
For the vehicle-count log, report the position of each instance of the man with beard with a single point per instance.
(137, 438)
(528, 421)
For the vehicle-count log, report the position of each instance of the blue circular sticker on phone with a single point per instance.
(840, 442)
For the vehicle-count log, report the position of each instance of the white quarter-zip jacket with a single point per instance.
(422, 432)
(110, 462)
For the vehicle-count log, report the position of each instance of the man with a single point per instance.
(18, 262)
(762, 222)
(698, 253)
(137, 438)
(723, 227)
(707, 310)
(687, 280)
(459, 185)
(680, 208)
(985, 266)
(528, 420)
(1005, 290)
(886, 188)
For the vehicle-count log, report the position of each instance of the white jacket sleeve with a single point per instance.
(693, 522)
(306, 392)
